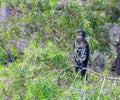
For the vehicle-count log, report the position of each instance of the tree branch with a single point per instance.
(106, 77)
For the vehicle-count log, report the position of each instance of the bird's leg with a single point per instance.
(76, 69)
(86, 76)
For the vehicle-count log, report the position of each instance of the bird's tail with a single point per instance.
(82, 70)
(83, 73)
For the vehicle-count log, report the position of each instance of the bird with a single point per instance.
(81, 53)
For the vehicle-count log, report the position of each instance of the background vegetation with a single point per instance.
(36, 50)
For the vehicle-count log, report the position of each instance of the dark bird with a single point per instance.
(81, 53)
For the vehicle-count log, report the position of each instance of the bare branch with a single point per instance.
(107, 77)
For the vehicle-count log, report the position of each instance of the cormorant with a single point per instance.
(81, 53)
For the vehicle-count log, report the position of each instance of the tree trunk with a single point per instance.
(118, 58)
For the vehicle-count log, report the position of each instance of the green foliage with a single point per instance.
(57, 57)
(3, 56)
(45, 70)
(42, 89)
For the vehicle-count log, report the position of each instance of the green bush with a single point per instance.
(46, 70)
(43, 89)
(3, 57)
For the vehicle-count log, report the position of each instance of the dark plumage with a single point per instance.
(81, 52)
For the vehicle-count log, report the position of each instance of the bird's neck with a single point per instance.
(80, 44)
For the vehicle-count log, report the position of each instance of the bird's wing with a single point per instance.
(81, 54)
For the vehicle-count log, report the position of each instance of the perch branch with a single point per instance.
(91, 71)
(106, 77)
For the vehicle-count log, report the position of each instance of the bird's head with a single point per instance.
(81, 35)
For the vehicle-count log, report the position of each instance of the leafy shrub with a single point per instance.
(43, 89)
(45, 68)
(56, 56)
(3, 57)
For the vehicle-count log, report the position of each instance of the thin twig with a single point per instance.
(70, 88)
(74, 80)
(101, 88)
(107, 77)
(62, 71)
(113, 85)
(84, 93)
(95, 87)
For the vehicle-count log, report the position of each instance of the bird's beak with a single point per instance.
(77, 32)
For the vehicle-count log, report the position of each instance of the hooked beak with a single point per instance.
(77, 32)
